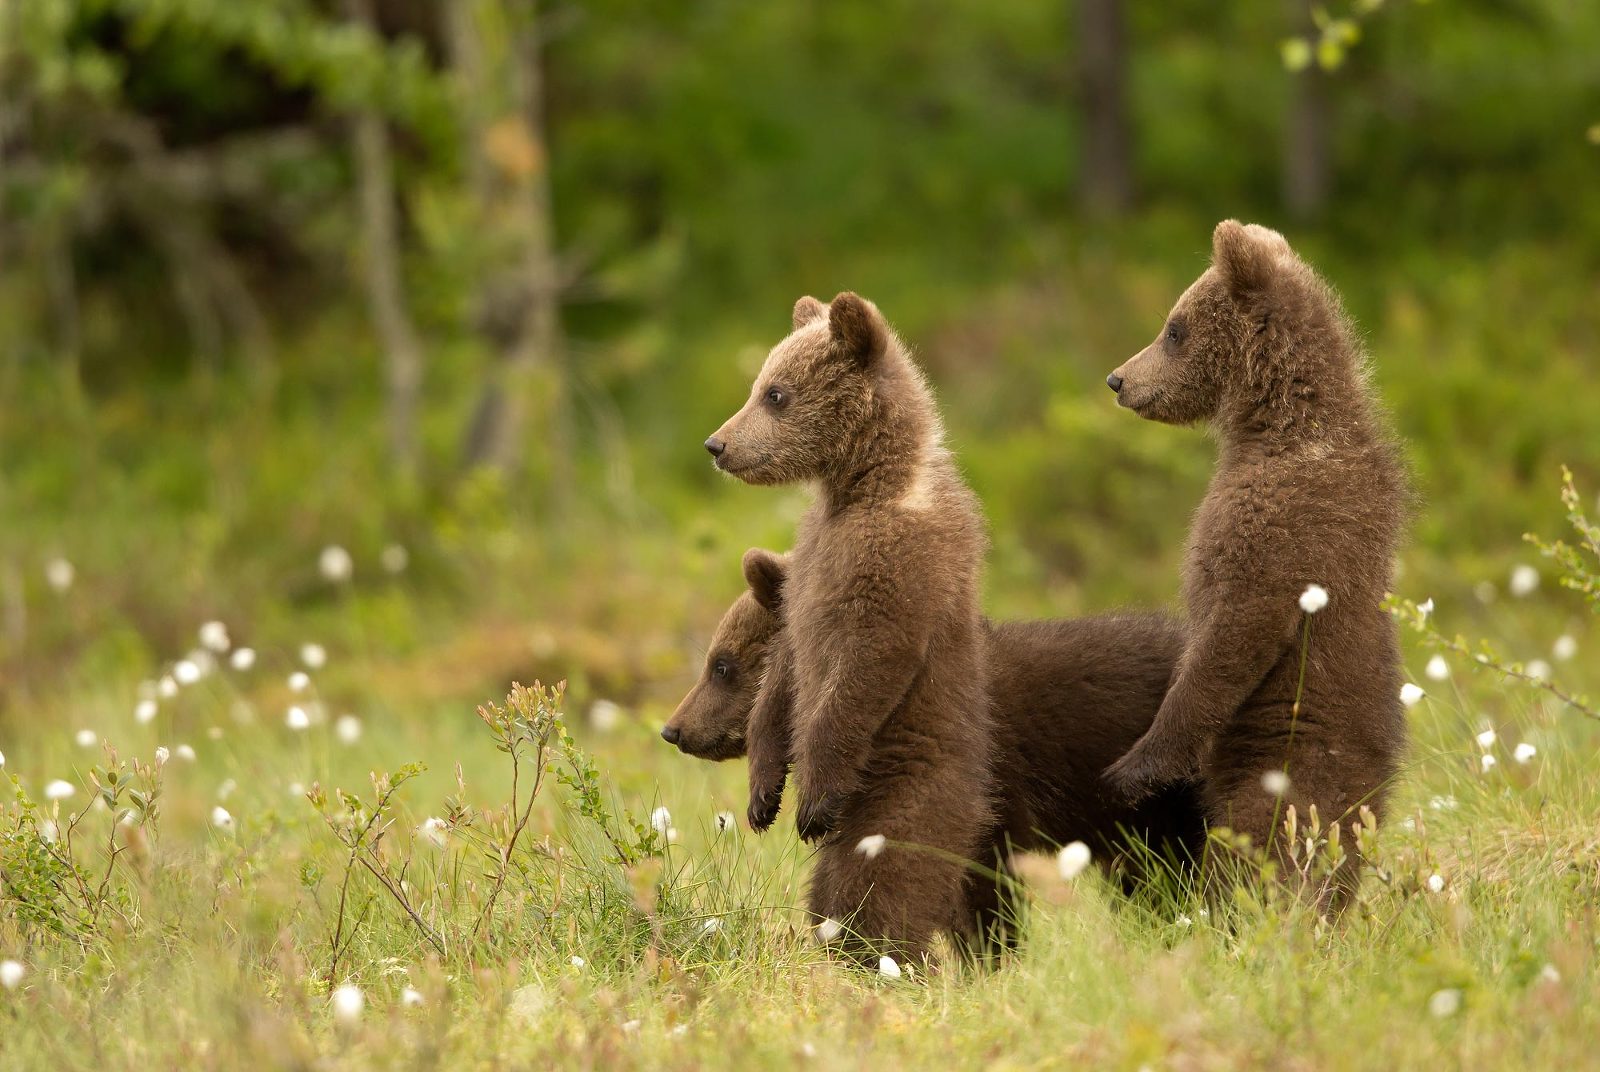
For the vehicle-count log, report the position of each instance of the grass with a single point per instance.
(213, 947)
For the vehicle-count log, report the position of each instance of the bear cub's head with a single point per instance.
(1205, 346)
(710, 722)
(813, 399)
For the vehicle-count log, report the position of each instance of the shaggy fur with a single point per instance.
(1309, 489)
(1068, 698)
(881, 678)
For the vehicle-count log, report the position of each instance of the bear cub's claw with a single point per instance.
(818, 817)
(1143, 770)
(764, 807)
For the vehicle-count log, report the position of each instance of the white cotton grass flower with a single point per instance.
(1485, 592)
(86, 738)
(222, 819)
(577, 962)
(1445, 1003)
(11, 973)
(347, 728)
(314, 655)
(1486, 763)
(162, 755)
(1436, 883)
(711, 926)
(1548, 975)
(2, 760)
(872, 846)
(411, 997)
(1437, 669)
(298, 789)
(145, 711)
(299, 681)
(1524, 580)
(186, 671)
(1314, 598)
(335, 564)
(1564, 648)
(1538, 669)
(394, 558)
(296, 718)
(1411, 694)
(828, 930)
(59, 789)
(630, 1027)
(661, 820)
(59, 574)
(1487, 738)
(888, 968)
(1425, 608)
(214, 637)
(726, 822)
(1072, 859)
(1275, 782)
(433, 831)
(1524, 753)
(605, 715)
(167, 688)
(348, 1003)
(242, 658)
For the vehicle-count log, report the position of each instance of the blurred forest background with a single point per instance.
(460, 287)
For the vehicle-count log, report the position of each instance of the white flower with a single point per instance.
(1565, 648)
(807, 1050)
(315, 656)
(59, 790)
(299, 681)
(1436, 883)
(1539, 670)
(1437, 669)
(162, 755)
(888, 968)
(1487, 738)
(1524, 752)
(828, 930)
(1314, 598)
(433, 831)
(1184, 921)
(604, 715)
(1524, 580)
(1547, 974)
(243, 658)
(348, 729)
(528, 1004)
(1445, 1003)
(86, 738)
(59, 574)
(394, 558)
(296, 718)
(871, 845)
(1072, 859)
(296, 789)
(1487, 762)
(630, 1026)
(1426, 607)
(1485, 592)
(227, 788)
(411, 997)
(577, 962)
(711, 926)
(726, 821)
(222, 819)
(661, 820)
(11, 973)
(187, 671)
(348, 1002)
(214, 635)
(672, 835)
(185, 753)
(1442, 803)
(2, 759)
(1275, 782)
(167, 688)
(1411, 694)
(335, 563)
(145, 712)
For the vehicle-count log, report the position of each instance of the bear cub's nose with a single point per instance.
(716, 446)
(670, 734)
(1113, 381)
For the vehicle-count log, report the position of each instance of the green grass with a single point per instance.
(212, 948)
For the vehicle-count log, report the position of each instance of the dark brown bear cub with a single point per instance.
(881, 675)
(1309, 490)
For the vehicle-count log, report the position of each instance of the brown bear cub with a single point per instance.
(1309, 490)
(1068, 698)
(880, 677)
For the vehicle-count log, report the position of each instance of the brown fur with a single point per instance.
(1068, 698)
(881, 677)
(1308, 490)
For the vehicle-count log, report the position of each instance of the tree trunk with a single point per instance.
(385, 283)
(1107, 186)
(1307, 156)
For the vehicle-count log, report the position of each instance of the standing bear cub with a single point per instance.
(1309, 490)
(880, 674)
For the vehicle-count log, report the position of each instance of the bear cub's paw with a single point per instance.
(818, 816)
(1149, 766)
(766, 798)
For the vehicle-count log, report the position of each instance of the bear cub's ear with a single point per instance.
(857, 327)
(765, 573)
(1246, 256)
(806, 310)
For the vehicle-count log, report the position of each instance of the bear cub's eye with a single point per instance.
(776, 397)
(722, 669)
(1174, 331)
